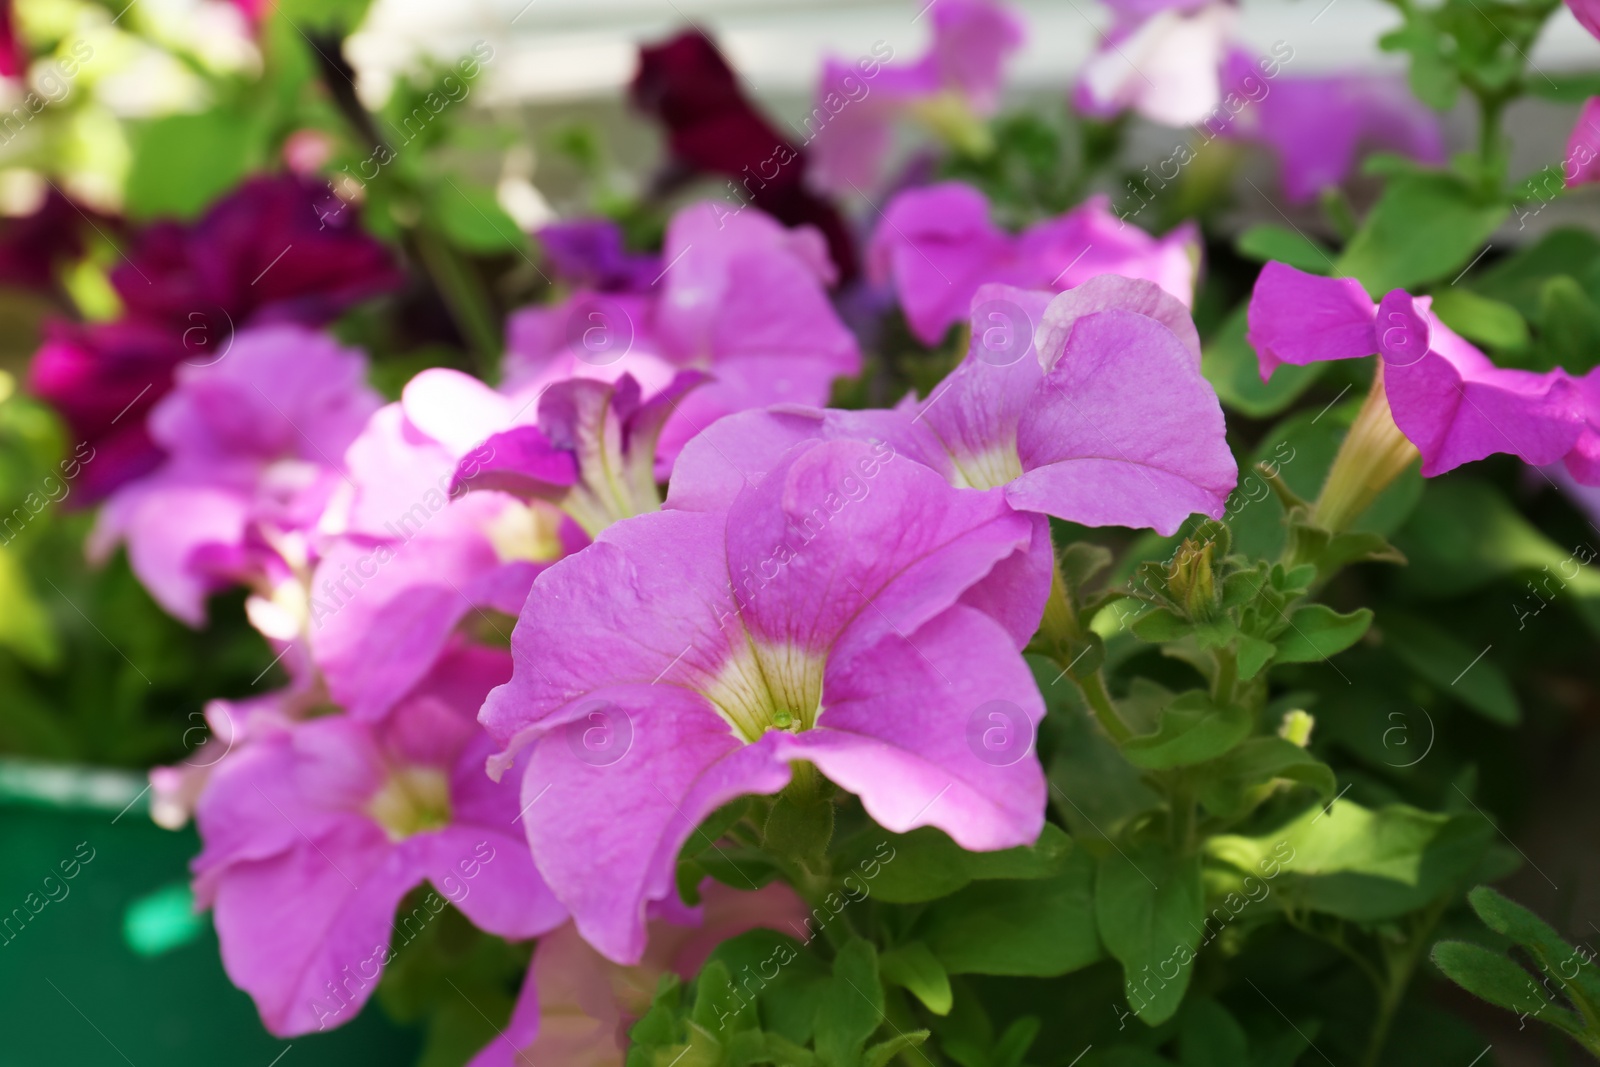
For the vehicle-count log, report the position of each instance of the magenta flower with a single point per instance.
(1315, 126)
(956, 82)
(1582, 164)
(742, 299)
(413, 558)
(253, 444)
(1108, 422)
(1162, 59)
(576, 1006)
(589, 253)
(1446, 397)
(938, 245)
(592, 452)
(686, 658)
(314, 832)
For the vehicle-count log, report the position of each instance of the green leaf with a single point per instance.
(471, 218)
(1159, 625)
(914, 967)
(1231, 366)
(1490, 976)
(1524, 927)
(1039, 927)
(925, 864)
(25, 626)
(1015, 1042)
(1210, 1037)
(328, 17)
(880, 1054)
(1569, 325)
(1570, 88)
(1316, 632)
(1149, 907)
(851, 1008)
(1192, 729)
(1267, 241)
(1360, 864)
(1254, 653)
(1480, 319)
(183, 162)
(1423, 228)
(1435, 654)
(1255, 763)
(782, 975)
(719, 1009)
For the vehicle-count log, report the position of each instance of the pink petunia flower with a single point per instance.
(687, 658)
(741, 299)
(938, 245)
(315, 831)
(1163, 59)
(576, 1006)
(949, 88)
(253, 442)
(1582, 163)
(1089, 406)
(409, 558)
(1446, 397)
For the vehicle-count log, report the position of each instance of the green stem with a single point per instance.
(1226, 679)
(1402, 964)
(463, 296)
(1093, 687)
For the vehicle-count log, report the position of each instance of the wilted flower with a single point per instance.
(1161, 58)
(576, 1006)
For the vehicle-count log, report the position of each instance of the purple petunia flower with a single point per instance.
(1107, 422)
(589, 253)
(742, 299)
(687, 658)
(315, 831)
(938, 245)
(955, 82)
(254, 443)
(1446, 397)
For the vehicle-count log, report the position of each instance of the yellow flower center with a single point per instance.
(412, 800)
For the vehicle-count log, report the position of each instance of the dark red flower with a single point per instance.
(33, 246)
(713, 129)
(276, 249)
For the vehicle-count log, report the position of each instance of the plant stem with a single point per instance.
(1401, 965)
(1093, 687)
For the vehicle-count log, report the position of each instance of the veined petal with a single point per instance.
(1125, 431)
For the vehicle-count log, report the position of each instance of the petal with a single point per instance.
(739, 450)
(1125, 431)
(306, 933)
(1456, 406)
(1301, 318)
(489, 874)
(651, 594)
(847, 534)
(520, 461)
(1103, 293)
(1582, 163)
(606, 835)
(902, 726)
